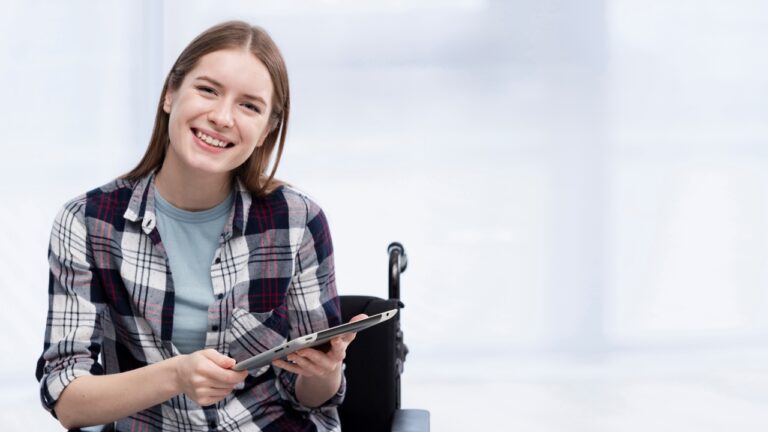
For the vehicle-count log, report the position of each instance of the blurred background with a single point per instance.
(580, 188)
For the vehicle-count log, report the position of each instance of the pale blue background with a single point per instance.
(580, 186)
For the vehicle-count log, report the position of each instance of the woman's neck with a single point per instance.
(192, 191)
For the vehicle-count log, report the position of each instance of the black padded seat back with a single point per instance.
(373, 379)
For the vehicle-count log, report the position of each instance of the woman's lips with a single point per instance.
(205, 146)
(212, 138)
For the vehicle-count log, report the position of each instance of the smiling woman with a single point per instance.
(162, 280)
(236, 78)
(218, 117)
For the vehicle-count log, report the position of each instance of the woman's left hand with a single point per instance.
(310, 362)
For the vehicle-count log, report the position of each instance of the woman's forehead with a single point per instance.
(236, 70)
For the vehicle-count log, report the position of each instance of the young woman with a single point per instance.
(195, 260)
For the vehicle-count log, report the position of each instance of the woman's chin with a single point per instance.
(207, 168)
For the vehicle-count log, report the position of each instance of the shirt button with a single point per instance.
(217, 260)
(215, 328)
(219, 296)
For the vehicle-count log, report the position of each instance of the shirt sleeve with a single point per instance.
(73, 328)
(313, 303)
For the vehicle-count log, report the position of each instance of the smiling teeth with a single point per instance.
(210, 140)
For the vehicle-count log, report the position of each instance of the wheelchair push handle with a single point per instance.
(398, 262)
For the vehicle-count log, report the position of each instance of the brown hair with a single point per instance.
(231, 34)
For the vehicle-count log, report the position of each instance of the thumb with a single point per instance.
(219, 358)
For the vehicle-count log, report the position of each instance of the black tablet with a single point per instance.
(312, 340)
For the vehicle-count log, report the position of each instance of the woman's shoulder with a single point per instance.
(109, 197)
(287, 206)
(298, 199)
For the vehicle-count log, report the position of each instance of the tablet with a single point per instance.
(312, 340)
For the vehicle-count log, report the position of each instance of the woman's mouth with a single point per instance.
(211, 141)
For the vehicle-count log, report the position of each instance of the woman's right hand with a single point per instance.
(206, 377)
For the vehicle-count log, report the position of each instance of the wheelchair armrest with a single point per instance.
(410, 420)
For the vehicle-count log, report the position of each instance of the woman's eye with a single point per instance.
(205, 89)
(252, 107)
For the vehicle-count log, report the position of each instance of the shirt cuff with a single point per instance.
(53, 383)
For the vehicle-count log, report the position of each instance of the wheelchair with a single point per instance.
(375, 361)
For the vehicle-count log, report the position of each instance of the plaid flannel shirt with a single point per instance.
(111, 294)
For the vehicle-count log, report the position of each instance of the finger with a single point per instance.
(308, 367)
(330, 358)
(218, 358)
(322, 362)
(339, 349)
(233, 378)
(212, 385)
(204, 392)
(345, 338)
(221, 387)
(211, 397)
(290, 367)
(216, 393)
(219, 377)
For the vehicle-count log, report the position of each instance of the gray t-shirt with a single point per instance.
(190, 239)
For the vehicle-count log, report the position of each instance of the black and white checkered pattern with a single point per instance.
(111, 294)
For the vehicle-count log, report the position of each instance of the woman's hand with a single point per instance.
(205, 376)
(314, 363)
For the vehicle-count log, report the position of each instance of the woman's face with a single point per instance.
(220, 113)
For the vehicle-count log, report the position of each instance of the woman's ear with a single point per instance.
(167, 100)
(263, 137)
(271, 127)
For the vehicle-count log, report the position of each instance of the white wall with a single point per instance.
(581, 179)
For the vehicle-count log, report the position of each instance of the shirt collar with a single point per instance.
(238, 217)
(141, 207)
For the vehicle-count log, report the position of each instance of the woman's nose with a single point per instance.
(221, 115)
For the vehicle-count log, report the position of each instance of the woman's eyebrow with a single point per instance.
(219, 85)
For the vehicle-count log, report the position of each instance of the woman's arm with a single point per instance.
(314, 391)
(204, 376)
(313, 378)
(72, 382)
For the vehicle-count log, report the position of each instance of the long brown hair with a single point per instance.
(227, 35)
